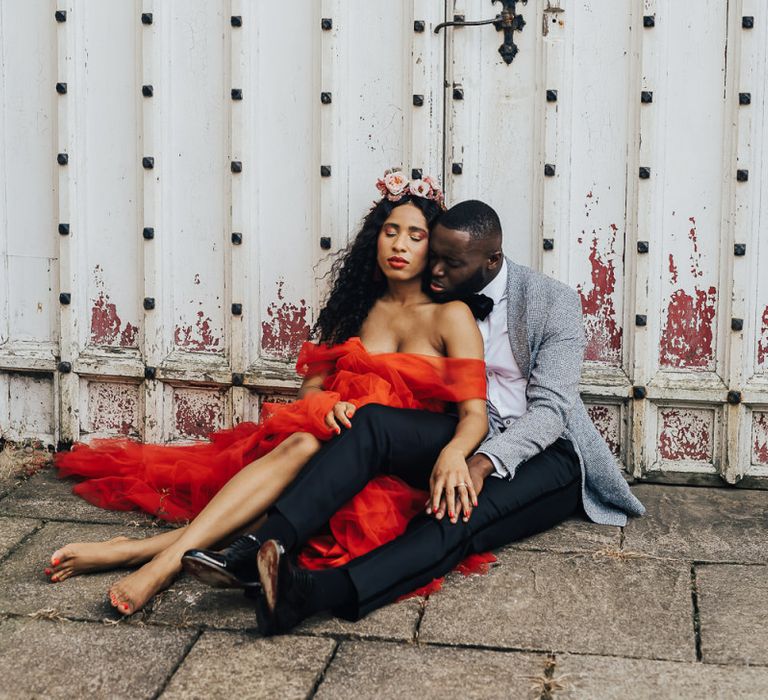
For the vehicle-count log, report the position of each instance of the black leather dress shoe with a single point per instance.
(285, 591)
(232, 567)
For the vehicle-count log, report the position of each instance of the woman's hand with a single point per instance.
(341, 413)
(451, 481)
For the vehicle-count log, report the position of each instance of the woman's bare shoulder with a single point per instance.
(454, 312)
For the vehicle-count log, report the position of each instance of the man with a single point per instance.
(542, 460)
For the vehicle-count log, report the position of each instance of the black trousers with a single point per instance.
(406, 443)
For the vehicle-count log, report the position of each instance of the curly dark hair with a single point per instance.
(354, 285)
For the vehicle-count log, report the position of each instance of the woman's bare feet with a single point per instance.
(132, 592)
(85, 557)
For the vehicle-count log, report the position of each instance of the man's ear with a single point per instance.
(495, 259)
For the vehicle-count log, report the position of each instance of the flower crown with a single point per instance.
(395, 185)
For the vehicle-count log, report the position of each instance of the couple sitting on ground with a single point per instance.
(471, 403)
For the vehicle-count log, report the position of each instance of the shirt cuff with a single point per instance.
(499, 470)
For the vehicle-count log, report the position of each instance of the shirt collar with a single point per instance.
(496, 289)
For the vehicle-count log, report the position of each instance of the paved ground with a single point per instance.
(674, 605)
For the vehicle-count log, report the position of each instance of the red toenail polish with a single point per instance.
(47, 572)
(56, 562)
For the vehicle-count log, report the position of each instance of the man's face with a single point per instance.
(459, 266)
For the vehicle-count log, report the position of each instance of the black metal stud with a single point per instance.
(742, 175)
(416, 173)
(747, 22)
(61, 88)
(238, 378)
(549, 244)
(325, 242)
(326, 98)
(457, 168)
(639, 392)
(418, 100)
(739, 249)
(148, 233)
(62, 158)
(61, 15)
(737, 324)
(325, 171)
(734, 398)
(147, 90)
(649, 21)
(642, 247)
(551, 95)
(146, 18)
(646, 97)
(65, 367)
(150, 372)
(459, 18)
(236, 21)
(237, 94)
(64, 229)
(644, 173)
(641, 320)
(148, 162)
(458, 93)
(326, 23)
(419, 26)
(236, 166)
(549, 169)
(65, 298)
(237, 238)
(237, 309)
(149, 303)
(745, 98)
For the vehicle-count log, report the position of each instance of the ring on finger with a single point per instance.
(462, 483)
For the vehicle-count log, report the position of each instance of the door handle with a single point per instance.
(508, 21)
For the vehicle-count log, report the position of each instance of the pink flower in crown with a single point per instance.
(420, 188)
(395, 182)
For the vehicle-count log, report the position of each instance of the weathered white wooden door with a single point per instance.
(176, 175)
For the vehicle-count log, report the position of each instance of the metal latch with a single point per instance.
(507, 22)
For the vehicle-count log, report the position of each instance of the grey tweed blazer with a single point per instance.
(546, 333)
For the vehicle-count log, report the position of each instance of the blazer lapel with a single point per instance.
(517, 318)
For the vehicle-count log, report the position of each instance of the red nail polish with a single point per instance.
(56, 562)
(450, 515)
(47, 572)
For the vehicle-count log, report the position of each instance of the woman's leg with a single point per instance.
(243, 498)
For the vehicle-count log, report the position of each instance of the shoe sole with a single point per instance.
(268, 563)
(212, 575)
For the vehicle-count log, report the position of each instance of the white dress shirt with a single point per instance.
(506, 384)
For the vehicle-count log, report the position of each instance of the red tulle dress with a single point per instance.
(175, 482)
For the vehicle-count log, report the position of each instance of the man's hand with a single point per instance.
(480, 467)
(451, 480)
(341, 413)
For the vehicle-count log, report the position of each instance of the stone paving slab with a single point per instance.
(611, 678)
(46, 496)
(25, 589)
(224, 665)
(733, 611)
(573, 535)
(42, 658)
(191, 603)
(13, 531)
(701, 524)
(380, 670)
(396, 622)
(579, 603)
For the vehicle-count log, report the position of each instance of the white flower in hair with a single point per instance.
(395, 182)
(420, 188)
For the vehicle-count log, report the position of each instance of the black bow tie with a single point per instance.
(480, 305)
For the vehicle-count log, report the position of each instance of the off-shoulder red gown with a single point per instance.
(175, 482)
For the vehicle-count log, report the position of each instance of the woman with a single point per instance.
(383, 341)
